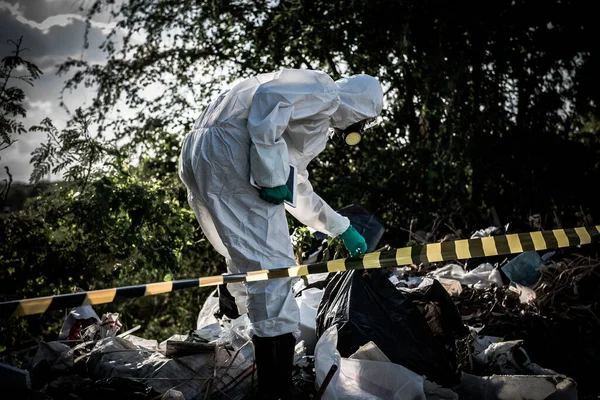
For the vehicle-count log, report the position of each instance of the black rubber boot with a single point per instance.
(274, 358)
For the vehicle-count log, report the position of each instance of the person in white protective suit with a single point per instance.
(257, 128)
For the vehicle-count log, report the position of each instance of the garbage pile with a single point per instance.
(520, 327)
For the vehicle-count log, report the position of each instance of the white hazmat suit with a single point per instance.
(258, 128)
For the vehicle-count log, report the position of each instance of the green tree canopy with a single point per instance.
(486, 106)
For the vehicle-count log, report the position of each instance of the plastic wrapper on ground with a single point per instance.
(363, 379)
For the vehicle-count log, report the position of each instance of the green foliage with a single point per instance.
(123, 230)
(108, 224)
(11, 97)
(11, 102)
(485, 109)
(71, 150)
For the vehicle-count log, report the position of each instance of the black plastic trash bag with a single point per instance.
(440, 313)
(366, 306)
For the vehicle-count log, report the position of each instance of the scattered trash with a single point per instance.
(442, 317)
(526, 295)
(526, 328)
(481, 342)
(369, 351)
(367, 307)
(79, 318)
(452, 286)
(516, 387)
(308, 301)
(484, 276)
(109, 325)
(489, 231)
(523, 269)
(362, 379)
(12, 378)
(410, 282)
(510, 358)
(117, 357)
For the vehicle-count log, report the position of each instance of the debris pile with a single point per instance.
(520, 327)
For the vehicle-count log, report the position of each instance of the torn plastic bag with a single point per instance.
(117, 357)
(484, 276)
(234, 361)
(109, 325)
(441, 314)
(308, 301)
(208, 312)
(362, 379)
(143, 343)
(481, 342)
(208, 327)
(78, 318)
(510, 358)
(489, 231)
(227, 303)
(516, 387)
(53, 356)
(524, 268)
(370, 308)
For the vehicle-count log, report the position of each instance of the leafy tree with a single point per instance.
(488, 110)
(11, 101)
(109, 223)
(72, 150)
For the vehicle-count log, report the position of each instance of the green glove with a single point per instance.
(354, 242)
(276, 195)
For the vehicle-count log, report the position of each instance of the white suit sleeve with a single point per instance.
(268, 117)
(302, 97)
(300, 104)
(314, 212)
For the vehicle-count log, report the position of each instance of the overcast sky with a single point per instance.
(52, 31)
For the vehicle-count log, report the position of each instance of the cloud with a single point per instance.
(50, 39)
(44, 106)
(39, 10)
(60, 20)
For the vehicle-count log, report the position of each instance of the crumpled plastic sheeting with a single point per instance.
(235, 360)
(206, 316)
(484, 276)
(489, 231)
(363, 379)
(53, 355)
(76, 314)
(308, 302)
(510, 358)
(114, 356)
(236, 332)
(109, 325)
(516, 387)
(367, 307)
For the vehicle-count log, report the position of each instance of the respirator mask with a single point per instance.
(352, 135)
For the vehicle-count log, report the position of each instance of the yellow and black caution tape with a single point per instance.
(434, 252)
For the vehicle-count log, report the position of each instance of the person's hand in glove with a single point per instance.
(276, 195)
(354, 242)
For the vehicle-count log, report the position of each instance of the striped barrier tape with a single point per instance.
(428, 253)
